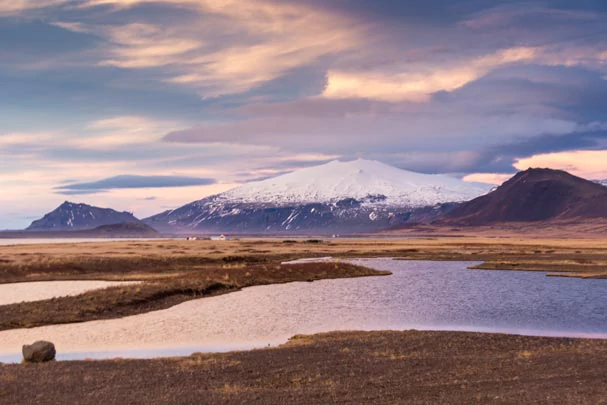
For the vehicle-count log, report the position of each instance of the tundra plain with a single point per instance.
(344, 367)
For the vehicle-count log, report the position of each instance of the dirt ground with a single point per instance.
(337, 368)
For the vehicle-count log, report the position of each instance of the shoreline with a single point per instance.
(154, 352)
(346, 367)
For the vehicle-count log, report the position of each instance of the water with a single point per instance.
(42, 290)
(419, 295)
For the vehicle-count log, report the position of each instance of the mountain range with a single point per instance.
(337, 197)
(359, 196)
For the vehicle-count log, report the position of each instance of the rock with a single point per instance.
(39, 352)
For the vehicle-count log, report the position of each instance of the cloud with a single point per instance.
(132, 181)
(375, 127)
(134, 46)
(230, 47)
(15, 139)
(489, 178)
(237, 90)
(419, 86)
(590, 164)
(111, 132)
(16, 7)
(509, 15)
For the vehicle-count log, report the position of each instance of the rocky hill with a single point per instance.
(534, 195)
(71, 217)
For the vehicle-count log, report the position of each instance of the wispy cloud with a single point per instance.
(15, 7)
(510, 14)
(111, 132)
(489, 178)
(591, 164)
(231, 47)
(420, 85)
(13, 139)
(133, 181)
(135, 46)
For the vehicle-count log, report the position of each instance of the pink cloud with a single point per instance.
(590, 164)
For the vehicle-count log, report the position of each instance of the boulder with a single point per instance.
(39, 352)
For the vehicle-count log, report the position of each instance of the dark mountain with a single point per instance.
(534, 195)
(346, 216)
(70, 217)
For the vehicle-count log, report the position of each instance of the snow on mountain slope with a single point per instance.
(367, 180)
(337, 197)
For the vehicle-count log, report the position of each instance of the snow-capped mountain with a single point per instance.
(71, 216)
(337, 197)
(358, 179)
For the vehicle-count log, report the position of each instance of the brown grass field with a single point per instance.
(349, 367)
(335, 368)
(137, 260)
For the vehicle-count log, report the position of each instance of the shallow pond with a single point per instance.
(42, 290)
(419, 295)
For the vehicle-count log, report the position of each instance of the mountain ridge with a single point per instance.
(71, 216)
(536, 194)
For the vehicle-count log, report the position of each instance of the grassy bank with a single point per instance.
(348, 367)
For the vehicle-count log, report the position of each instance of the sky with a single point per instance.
(145, 105)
